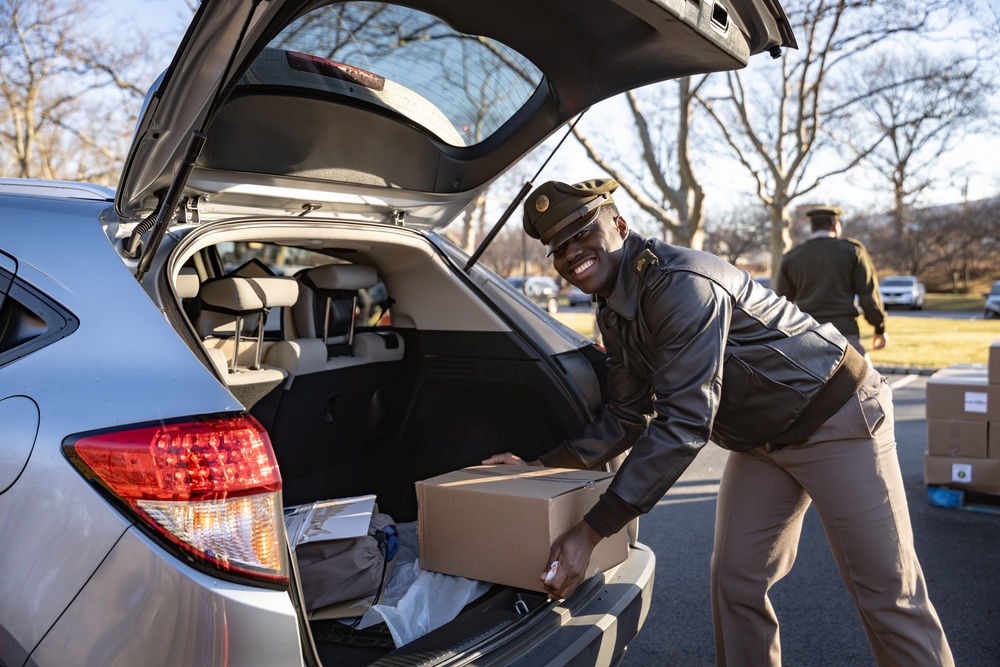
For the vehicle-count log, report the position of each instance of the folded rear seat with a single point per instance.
(333, 404)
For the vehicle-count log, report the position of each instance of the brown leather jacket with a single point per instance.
(697, 351)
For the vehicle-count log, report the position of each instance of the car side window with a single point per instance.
(28, 319)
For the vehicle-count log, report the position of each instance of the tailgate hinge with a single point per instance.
(189, 213)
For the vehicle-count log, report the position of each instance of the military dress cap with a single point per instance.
(825, 211)
(556, 211)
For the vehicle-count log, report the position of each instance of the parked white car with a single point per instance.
(903, 291)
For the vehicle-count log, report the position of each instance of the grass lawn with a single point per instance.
(913, 341)
(954, 302)
(932, 342)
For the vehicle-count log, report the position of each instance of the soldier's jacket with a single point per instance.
(697, 351)
(823, 274)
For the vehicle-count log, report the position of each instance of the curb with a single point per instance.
(906, 370)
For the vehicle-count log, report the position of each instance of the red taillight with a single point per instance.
(329, 68)
(210, 486)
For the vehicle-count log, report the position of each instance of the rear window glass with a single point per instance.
(898, 282)
(461, 88)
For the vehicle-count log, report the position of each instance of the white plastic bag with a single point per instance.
(417, 601)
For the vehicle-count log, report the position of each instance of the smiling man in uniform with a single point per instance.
(697, 351)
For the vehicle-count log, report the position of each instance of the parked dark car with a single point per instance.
(542, 290)
(577, 297)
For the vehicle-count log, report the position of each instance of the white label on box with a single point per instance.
(961, 472)
(975, 401)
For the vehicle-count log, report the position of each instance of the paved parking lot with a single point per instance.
(959, 552)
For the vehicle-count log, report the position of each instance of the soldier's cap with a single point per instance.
(555, 211)
(825, 211)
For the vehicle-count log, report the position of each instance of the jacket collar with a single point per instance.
(624, 298)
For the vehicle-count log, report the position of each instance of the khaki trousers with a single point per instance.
(849, 469)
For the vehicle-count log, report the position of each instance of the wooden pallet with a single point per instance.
(963, 499)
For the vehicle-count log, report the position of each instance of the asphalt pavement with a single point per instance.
(959, 551)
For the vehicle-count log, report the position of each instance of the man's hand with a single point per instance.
(571, 553)
(511, 459)
(879, 341)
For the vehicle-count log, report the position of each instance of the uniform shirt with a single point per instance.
(822, 276)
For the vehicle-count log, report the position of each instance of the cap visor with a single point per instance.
(569, 231)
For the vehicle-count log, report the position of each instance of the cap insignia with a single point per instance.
(542, 203)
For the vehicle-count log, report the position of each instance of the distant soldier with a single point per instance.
(823, 275)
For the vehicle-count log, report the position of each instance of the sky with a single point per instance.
(973, 164)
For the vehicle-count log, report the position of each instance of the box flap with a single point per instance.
(517, 480)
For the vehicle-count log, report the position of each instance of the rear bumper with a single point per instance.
(591, 627)
(899, 299)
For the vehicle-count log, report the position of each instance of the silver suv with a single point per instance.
(263, 315)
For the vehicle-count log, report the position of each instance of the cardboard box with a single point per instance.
(962, 393)
(497, 523)
(957, 437)
(994, 362)
(993, 441)
(981, 475)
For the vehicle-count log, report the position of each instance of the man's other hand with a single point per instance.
(879, 341)
(510, 459)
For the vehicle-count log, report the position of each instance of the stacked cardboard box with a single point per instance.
(963, 426)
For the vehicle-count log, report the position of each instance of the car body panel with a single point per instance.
(19, 416)
(85, 381)
(187, 627)
(47, 577)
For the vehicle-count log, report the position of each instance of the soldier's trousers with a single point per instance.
(849, 469)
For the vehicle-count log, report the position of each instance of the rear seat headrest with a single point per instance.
(187, 283)
(342, 277)
(326, 309)
(235, 294)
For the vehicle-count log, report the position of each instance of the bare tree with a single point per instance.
(68, 99)
(511, 252)
(918, 106)
(739, 233)
(959, 241)
(954, 244)
(775, 119)
(663, 182)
